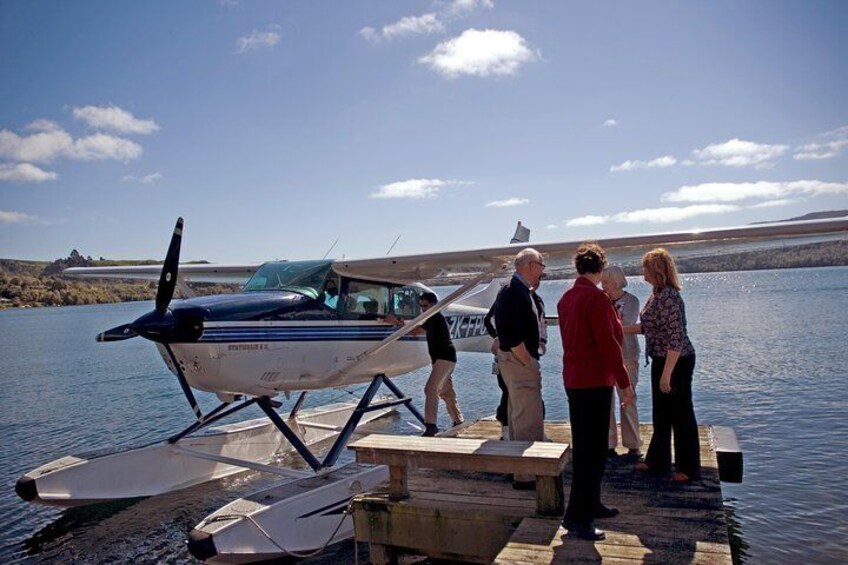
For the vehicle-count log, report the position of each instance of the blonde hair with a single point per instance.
(659, 263)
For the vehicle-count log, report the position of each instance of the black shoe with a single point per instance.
(524, 485)
(430, 430)
(602, 512)
(584, 531)
(589, 533)
(612, 454)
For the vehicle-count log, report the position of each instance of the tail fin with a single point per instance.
(522, 234)
(486, 297)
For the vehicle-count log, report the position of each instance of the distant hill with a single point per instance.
(39, 283)
(811, 216)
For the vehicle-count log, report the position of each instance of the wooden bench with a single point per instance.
(545, 460)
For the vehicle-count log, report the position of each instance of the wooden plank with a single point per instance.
(398, 483)
(550, 498)
(474, 536)
(546, 541)
(535, 458)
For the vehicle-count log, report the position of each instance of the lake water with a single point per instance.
(772, 359)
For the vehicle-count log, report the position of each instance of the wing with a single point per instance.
(453, 266)
(191, 272)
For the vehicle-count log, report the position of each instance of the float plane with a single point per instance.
(298, 326)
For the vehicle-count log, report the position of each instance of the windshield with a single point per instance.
(304, 277)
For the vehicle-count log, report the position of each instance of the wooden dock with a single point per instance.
(479, 518)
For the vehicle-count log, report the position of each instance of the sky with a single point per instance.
(276, 128)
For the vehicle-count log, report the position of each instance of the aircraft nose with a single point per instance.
(201, 545)
(169, 327)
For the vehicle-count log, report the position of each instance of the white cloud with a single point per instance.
(736, 191)
(257, 40)
(24, 172)
(819, 151)
(480, 53)
(43, 125)
(413, 188)
(46, 146)
(146, 179)
(414, 25)
(461, 7)
(739, 153)
(509, 202)
(103, 146)
(672, 213)
(369, 33)
(610, 123)
(654, 215)
(112, 118)
(587, 221)
(658, 163)
(826, 149)
(39, 147)
(15, 217)
(551, 227)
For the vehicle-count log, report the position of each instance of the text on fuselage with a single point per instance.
(466, 326)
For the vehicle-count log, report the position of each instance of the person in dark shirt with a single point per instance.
(443, 355)
(517, 322)
(502, 411)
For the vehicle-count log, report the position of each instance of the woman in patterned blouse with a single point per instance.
(663, 321)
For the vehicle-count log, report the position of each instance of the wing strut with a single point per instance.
(334, 378)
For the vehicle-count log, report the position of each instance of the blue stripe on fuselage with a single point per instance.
(460, 327)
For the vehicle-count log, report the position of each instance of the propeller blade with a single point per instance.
(168, 278)
(118, 333)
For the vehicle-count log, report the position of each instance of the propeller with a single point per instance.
(168, 278)
(161, 325)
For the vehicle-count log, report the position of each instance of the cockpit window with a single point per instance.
(405, 301)
(365, 300)
(304, 277)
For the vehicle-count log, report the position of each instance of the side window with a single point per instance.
(365, 300)
(405, 301)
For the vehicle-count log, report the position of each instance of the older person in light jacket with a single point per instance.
(626, 305)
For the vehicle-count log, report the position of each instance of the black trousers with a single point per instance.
(674, 412)
(589, 410)
(502, 413)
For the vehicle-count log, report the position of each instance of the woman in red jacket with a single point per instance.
(592, 364)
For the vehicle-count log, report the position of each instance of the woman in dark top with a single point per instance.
(663, 321)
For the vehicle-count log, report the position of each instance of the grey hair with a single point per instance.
(615, 275)
(526, 256)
